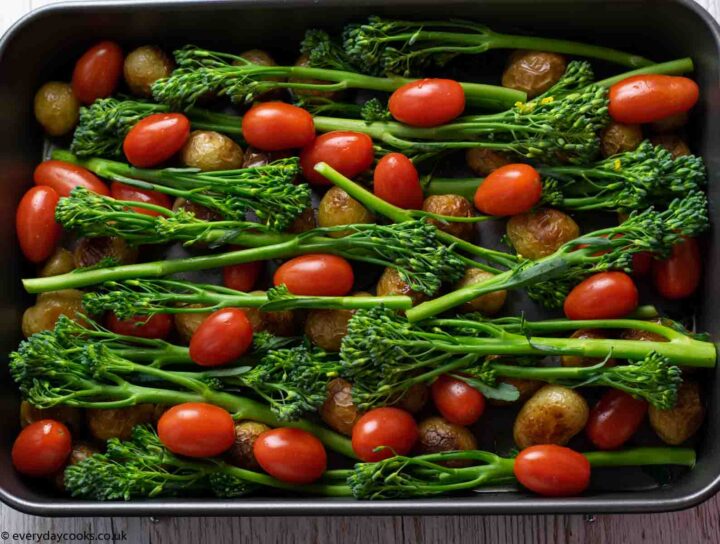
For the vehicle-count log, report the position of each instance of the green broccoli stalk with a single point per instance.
(407, 47)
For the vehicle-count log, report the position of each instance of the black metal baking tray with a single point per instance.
(42, 45)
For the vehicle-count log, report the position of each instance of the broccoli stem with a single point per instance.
(323, 489)
(642, 457)
(673, 67)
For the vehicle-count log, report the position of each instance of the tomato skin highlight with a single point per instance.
(552, 471)
(120, 191)
(97, 72)
(157, 326)
(606, 295)
(615, 419)
(391, 427)
(291, 455)
(38, 232)
(457, 401)
(396, 181)
(427, 102)
(316, 274)
(350, 153)
(275, 126)
(510, 190)
(648, 98)
(196, 429)
(65, 176)
(41, 448)
(225, 335)
(678, 276)
(155, 139)
(243, 276)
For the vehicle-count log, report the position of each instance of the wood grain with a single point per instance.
(699, 525)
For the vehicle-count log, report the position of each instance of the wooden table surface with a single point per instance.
(699, 525)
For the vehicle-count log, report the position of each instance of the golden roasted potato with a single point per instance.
(573, 360)
(454, 206)
(60, 262)
(485, 161)
(671, 123)
(71, 417)
(209, 150)
(187, 324)
(119, 422)
(241, 452)
(281, 323)
(258, 56)
(553, 415)
(541, 232)
(414, 398)
(90, 251)
(390, 283)
(56, 108)
(488, 304)
(303, 222)
(618, 138)
(80, 451)
(437, 435)
(673, 143)
(199, 211)
(49, 307)
(339, 208)
(144, 66)
(533, 72)
(327, 328)
(253, 158)
(676, 425)
(338, 411)
(642, 336)
(526, 389)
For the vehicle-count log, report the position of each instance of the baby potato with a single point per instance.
(187, 324)
(533, 72)
(304, 60)
(390, 283)
(144, 66)
(553, 415)
(673, 143)
(618, 138)
(437, 435)
(339, 208)
(71, 417)
(338, 411)
(252, 158)
(671, 123)
(454, 206)
(526, 389)
(574, 360)
(539, 233)
(258, 56)
(79, 452)
(118, 422)
(414, 398)
(60, 262)
(485, 161)
(209, 150)
(90, 251)
(199, 211)
(488, 304)
(642, 336)
(241, 453)
(327, 328)
(49, 307)
(304, 222)
(676, 425)
(56, 108)
(278, 323)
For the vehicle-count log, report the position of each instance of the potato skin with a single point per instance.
(541, 232)
(670, 124)
(187, 324)
(485, 161)
(80, 451)
(454, 206)
(533, 72)
(438, 435)
(414, 398)
(526, 389)
(390, 283)
(327, 328)
(338, 411)
(642, 336)
(91, 251)
(199, 211)
(49, 307)
(258, 56)
(673, 143)
(60, 262)
(279, 323)
(209, 151)
(73, 418)
(304, 222)
(339, 208)
(56, 108)
(119, 422)
(488, 304)
(241, 453)
(618, 138)
(553, 415)
(573, 360)
(144, 66)
(676, 425)
(252, 158)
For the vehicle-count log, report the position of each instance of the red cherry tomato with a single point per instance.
(641, 263)
(120, 191)
(678, 276)
(290, 455)
(242, 277)
(196, 429)
(509, 190)
(553, 471)
(607, 295)
(97, 72)
(157, 326)
(37, 231)
(648, 98)
(396, 181)
(427, 102)
(457, 401)
(42, 448)
(225, 335)
(274, 126)
(614, 419)
(65, 176)
(390, 427)
(350, 153)
(156, 138)
(316, 275)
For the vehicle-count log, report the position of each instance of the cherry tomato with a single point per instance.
(290, 455)
(42, 448)
(350, 153)
(641, 263)
(427, 102)
(607, 295)
(648, 98)
(225, 335)
(316, 275)
(157, 326)
(196, 429)
(678, 276)
(390, 427)
(156, 138)
(509, 190)
(120, 191)
(457, 401)
(396, 181)
(614, 419)
(97, 72)
(274, 126)
(65, 176)
(37, 230)
(242, 277)
(553, 471)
